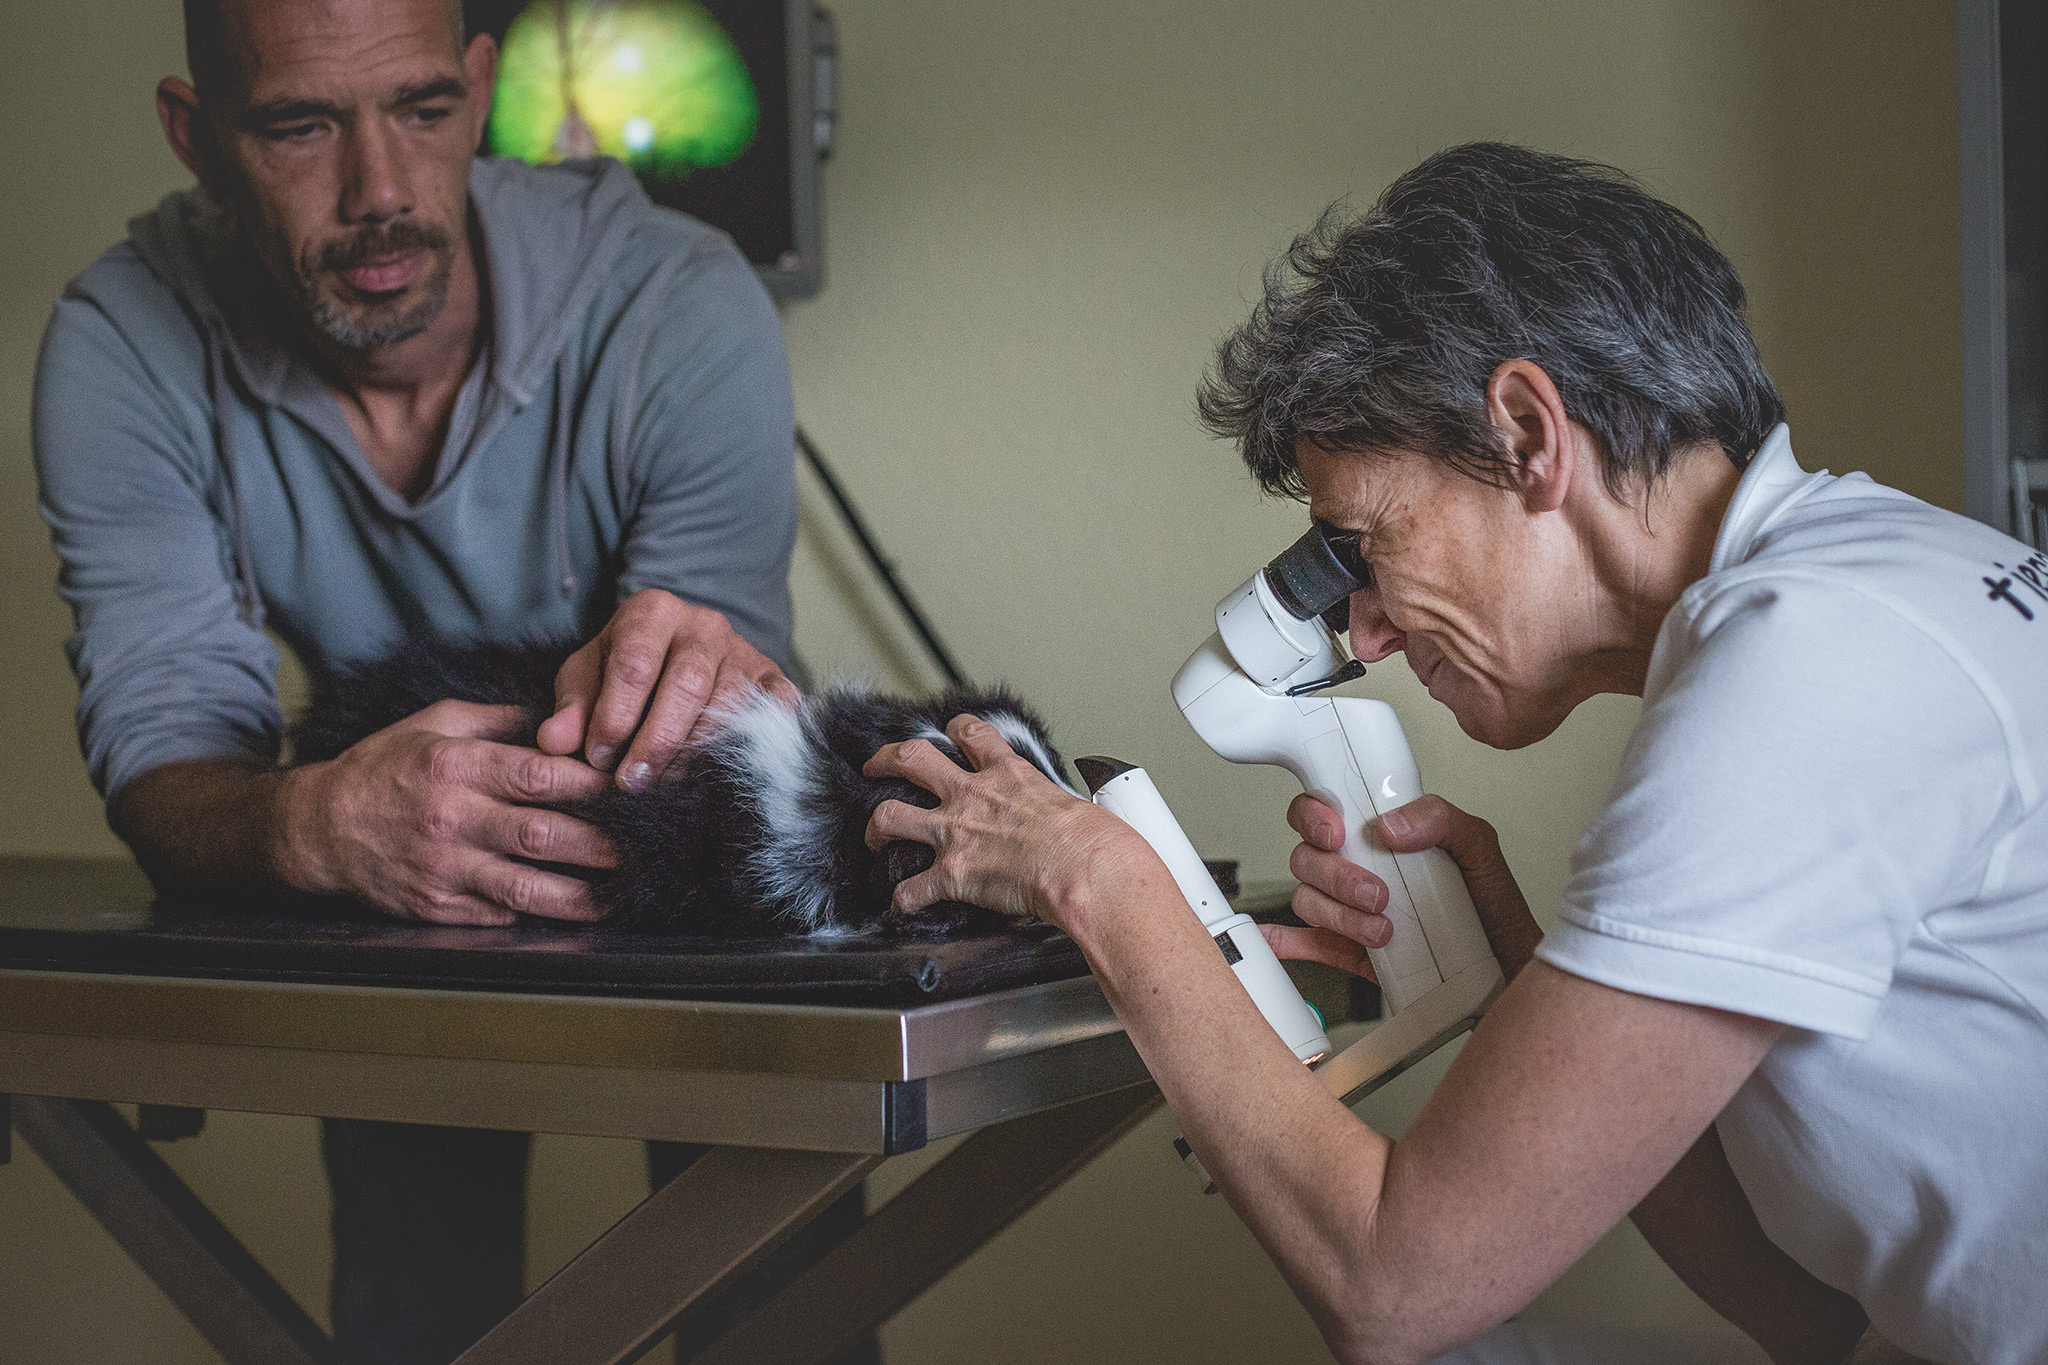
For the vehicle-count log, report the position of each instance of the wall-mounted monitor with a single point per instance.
(721, 107)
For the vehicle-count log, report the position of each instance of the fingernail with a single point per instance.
(636, 776)
(601, 756)
(1394, 823)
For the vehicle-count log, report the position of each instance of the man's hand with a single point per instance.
(427, 819)
(641, 687)
(1343, 903)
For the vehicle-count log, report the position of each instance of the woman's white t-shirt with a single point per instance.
(1832, 815)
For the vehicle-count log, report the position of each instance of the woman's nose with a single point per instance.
(1373, 636)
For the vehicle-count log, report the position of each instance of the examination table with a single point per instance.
(804, 1063)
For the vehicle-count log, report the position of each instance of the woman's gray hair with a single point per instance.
(1380, 332)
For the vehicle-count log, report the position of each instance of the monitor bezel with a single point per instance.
(800, 272)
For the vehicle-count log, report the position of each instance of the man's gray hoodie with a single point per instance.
(627, 425)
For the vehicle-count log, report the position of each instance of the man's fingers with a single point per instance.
(576, 684)
(688, 683)
(1335, 875)
(1323, 912)
(468, 719)
(1318, 945)
(545, 836)
(532, 891)
(895, 820)
(980, 741)
(919, 761)
(1316, 821)
(633, 666)
(461, 909)
(506, 772)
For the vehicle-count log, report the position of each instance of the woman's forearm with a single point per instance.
(1300, 1170)
(1567, 1107)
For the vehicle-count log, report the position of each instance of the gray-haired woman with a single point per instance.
(1794, 1015)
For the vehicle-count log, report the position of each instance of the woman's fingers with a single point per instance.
(1369, 928)
(895, 820)
(1432, 822)
(919, 761)
(1337, 876)
(981, 742)
(1316, 821)
(913, 894)
(1318, 945)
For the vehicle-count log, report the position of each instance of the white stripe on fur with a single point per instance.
(777, 764)
(1020, 737)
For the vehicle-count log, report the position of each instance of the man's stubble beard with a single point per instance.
(371, 326)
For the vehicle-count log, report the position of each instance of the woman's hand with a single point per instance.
(1003, 836)
(1343, 903)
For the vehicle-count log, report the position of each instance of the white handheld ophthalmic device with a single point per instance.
(1128, 793)
(1251, 691)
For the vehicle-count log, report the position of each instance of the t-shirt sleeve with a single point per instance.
(167, 668)
(711, 451)
(1819, 775)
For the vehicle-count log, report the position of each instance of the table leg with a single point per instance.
(161, 1224)
(908, 1244)
(682, 1245)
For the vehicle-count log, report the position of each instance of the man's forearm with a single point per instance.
(205, 824)
(1701, 1223)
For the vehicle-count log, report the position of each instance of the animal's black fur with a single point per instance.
(755, 830)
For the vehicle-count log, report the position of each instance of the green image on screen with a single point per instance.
(656, 83)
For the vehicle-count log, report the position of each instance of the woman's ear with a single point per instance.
(1529, 421)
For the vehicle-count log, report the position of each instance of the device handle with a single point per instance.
(1329, 768)
(1435, 887)
(1132, 797)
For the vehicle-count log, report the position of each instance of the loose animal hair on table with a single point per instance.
(756, 829)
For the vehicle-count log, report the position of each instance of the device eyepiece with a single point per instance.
(1311, 578)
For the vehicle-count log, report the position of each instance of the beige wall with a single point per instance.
(1041, 217)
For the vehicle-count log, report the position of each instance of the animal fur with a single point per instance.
(756, 829)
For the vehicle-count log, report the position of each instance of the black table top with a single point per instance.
(100, 915)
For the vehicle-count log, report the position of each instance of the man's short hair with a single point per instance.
(1381, 331)
(206, 51)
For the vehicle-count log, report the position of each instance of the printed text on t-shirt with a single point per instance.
(2031, 574)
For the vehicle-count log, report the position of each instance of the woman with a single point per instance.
(1792, 1016)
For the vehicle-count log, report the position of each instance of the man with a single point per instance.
(356, 385)
(1794, 1013)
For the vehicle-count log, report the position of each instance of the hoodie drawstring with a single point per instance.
(558, 474)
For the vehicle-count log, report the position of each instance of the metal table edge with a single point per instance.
(837, 1042)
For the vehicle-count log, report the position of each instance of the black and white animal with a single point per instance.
(756, 829)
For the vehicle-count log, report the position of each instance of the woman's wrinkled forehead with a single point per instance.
(1355, 490)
